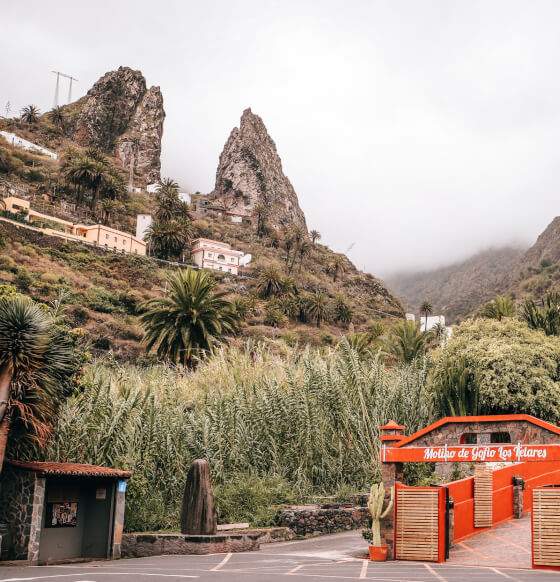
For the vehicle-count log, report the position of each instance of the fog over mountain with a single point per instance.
(417, 133)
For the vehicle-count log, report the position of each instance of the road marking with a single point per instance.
(434, 573)
(363, 571)
(293, 570)
(506, 541)
(474, 551)
(222, 563)
(504, 574)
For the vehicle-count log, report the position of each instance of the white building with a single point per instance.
(19, 142)
(152, 188)
(216, 255)
(185, 197)
(143, 222)
(433, 320)
(410, 317)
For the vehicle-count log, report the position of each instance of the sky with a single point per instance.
(415, 132)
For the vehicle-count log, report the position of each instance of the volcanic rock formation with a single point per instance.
(250, 172)
(123, 118)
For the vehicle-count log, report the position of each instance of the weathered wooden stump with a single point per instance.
(198, 514)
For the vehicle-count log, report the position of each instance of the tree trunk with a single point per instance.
(198, 514)
(5, 382)
(4, 432)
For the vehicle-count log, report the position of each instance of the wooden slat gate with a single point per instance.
(420, 523)
(545, 520)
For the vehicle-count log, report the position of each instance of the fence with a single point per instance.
(462, 492)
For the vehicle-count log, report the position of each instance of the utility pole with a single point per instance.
(58, 75)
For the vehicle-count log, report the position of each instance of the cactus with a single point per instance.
(375, 507)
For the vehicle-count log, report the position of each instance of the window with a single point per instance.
(229, 269)
(115, 239)
(221, 258)
(209, 255)
(500, 437)
(468, 438)
(123, 241)
(106, 235)
(233, 259)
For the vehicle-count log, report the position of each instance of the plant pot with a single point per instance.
(378, 553)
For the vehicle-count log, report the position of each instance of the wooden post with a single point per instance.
(198, 514)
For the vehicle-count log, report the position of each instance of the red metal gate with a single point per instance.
(420, 530)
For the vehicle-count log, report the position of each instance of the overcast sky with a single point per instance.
(418, 131)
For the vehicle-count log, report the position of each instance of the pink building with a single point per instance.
(212, 254)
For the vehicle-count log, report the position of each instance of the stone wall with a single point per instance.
(520, 431)
(22, 496)
(317, 520)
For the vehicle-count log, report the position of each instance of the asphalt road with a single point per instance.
(323, 559)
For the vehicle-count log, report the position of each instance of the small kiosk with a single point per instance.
(61, 511)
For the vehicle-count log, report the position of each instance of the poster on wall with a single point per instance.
(62, 515)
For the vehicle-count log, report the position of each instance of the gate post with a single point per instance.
(391, 434)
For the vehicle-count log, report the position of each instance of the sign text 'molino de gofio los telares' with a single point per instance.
(472, 453)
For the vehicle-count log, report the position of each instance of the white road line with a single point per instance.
(363, 572)
(294, 570)
(222, 563)
(434, 573)
(504, 574)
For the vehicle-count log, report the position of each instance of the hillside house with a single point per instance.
(216, 255)
(96, 234)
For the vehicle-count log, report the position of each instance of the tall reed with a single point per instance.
(309, 420)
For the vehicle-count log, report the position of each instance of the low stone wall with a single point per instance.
(317, 520)
(143, 545)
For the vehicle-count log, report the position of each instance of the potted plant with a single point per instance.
(377, 552)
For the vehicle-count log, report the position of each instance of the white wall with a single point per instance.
(19, 142)
(433, 320)
(143, 222)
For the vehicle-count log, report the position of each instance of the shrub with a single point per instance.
(102, 343)
(23, 279)
(50, 278)
(516, 367)
(7, 263)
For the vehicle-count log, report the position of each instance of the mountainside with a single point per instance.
(458, 289)
(538, 269)
(121, 117)
(250, 172)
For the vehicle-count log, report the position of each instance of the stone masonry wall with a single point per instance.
(315, 520)
(22, 496)
(520, 431)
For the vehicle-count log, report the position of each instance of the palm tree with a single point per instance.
(315, 235)
(35, 361)
(260, 212)
(546, 318)
(58, 117)
(342, 311)
(190, 321)
(303, 250)
(427, 309)
(108, 207)
(169, 239)
(499, 308)
(318, 307)
(406, 342)
(456, 388)
(270, 282)
(337, 267)
(169, 205)
(30, 114)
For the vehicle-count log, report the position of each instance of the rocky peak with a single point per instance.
(250, 172)
(123, 118)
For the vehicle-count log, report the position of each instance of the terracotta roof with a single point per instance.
(473, 419)
(72, 469)
(392, 425)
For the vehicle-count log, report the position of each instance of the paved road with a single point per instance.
(325, 559)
